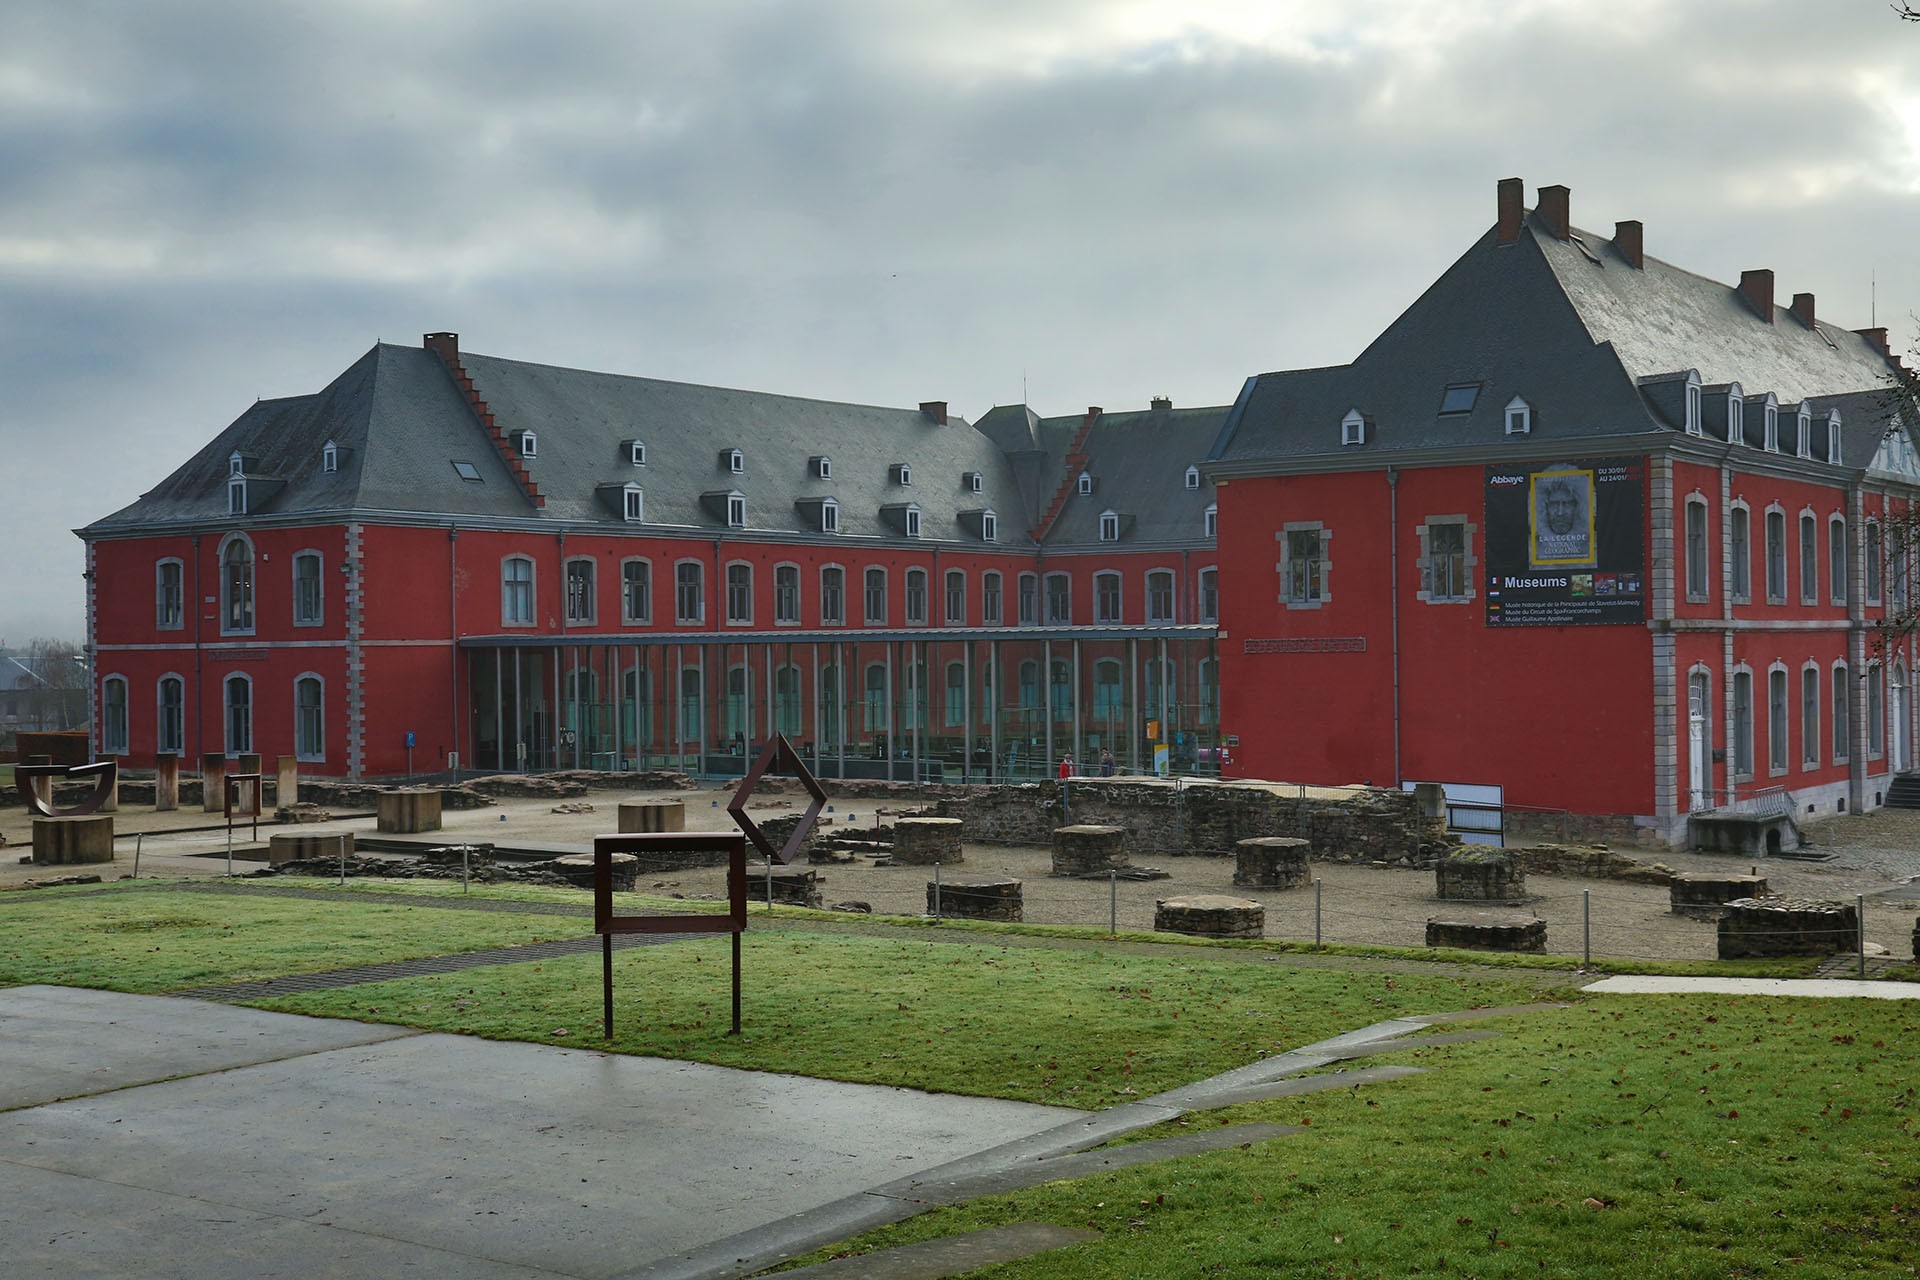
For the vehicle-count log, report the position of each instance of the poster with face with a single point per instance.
(1562, 522)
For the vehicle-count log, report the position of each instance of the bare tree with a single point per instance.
(59, 671)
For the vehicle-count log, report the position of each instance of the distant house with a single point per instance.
(33, 698)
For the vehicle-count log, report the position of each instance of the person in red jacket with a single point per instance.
(1066, 767)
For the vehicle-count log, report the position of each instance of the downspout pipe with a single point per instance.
(1393, 597)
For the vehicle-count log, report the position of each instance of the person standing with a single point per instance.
(1106, 762)
(1066, 767)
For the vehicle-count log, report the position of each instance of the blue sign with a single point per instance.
(410, 741)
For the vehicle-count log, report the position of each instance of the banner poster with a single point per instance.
(1564, 544)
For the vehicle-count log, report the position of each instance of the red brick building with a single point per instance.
(1583, 527)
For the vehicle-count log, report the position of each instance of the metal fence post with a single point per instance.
(769, 884)
(1316, 913)
(340, 843)
(138, 840)
(936, 891)
(1860, 907)
(1113, 902)
(1586, 928)
(466, 852)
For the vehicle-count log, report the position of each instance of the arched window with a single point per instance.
(1160, 595)
(170, 737)
(113, 716)
(236, 585)
(309, 719)
(516, 592)
(239, 708)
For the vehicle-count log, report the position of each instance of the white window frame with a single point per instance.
(1193, 478)
(1210, 521)
(993, 598)
(1084, 484)
(737, 582)
(837, 597)
(829, 516)
(823, 467)
(633, 504)
(736, 462)
(1740, 552)
(114, 737)
(161, 744)
(637, 453)
(1296, 590)
(1162, 595)
(989, 527)
(579, 608)
(160, 598)
(1109, 598)
(248, 617)
(245, 744)
(1109, 526)
(916, 599)
(736, 511)
(237, 496)
(1353, 428)
(1736, 416)
(508, 616)
(689, 589)
(1695, 422)
(786, 591)
(628, 615)
(1803, 433)
(976, 483)
(1518, 417)
(1770, 432)
(1833, 437)
(913, 521)
(903, 474)
(329, 457)
(315, 752)
(1063, 616)
(317, 617)
(1432, 589)
(527, 443)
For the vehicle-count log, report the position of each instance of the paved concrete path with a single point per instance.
(151, 1136)
(1629, 984)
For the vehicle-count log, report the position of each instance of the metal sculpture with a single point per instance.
(105, 774)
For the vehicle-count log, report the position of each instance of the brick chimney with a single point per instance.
(445, 345)
(1877, 339)
(935, 411)
(1803, 308)
(1628, 243)
(1555, 210)
(1757, 288)
(1510, 201)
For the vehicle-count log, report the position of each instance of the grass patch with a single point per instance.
(164, 939)
(1655, 1136)
(1078, 1027)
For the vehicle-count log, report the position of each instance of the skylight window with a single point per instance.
(467, 471)
(1459, 397)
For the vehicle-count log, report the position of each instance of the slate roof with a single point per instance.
(400, 424)
(1568, 326)
(1138, 461)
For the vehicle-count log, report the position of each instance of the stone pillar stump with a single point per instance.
(408, 812)
(577, 868)
(1787, 927)
(794, 886)
(166, 783)
(647, 816)
(112, 803)
(63, 842)
(978, 898)
(1270, 862)
(286, 784)
(213, 783)
(1086, 848)
(921, 842)
(1210, 915)
(1487, 931)
(1480, 874)
(300, 848)
(1703, 893)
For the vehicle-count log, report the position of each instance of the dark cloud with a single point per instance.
(861, 199)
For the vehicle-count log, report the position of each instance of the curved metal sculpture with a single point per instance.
(105, 774)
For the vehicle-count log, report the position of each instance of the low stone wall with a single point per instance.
(1591, 862)
(577, 869)
(977, 899)
(1699, 893)
(1487, 931)
(293, 848)
(1762, 927)
(1578, 828)
(1369, 825)
(1210, 915)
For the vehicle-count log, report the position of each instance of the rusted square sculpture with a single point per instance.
(654, 844)
(780, 752)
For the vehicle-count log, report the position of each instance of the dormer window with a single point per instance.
(1772, 416)
(1085, 484)
(736, 511)
(236, 465)
(528, 444)
(734, 461)
(820, 467)
(1736, 414)
(1803, 433)
(989, 527)
(1519, 417)
(1833, 436)
(1193, 477)
(900, 473)
(237, 495)
(1212, 521)
(1353, 428)
(976, 482)
(633, 504)
(1693, 410)
(829, 516)
(913, 521)
(329, 457)
(1109, 526)
(637, 453)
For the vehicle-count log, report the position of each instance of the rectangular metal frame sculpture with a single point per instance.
(654, 844)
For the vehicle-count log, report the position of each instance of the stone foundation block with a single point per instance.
(1084, 848)
(1480, 875)
(921, 842)
(1787, 927)
(795, 886)
(1270, 862)
(977, 899)
(647, 816)
(577, 868)
(1210, 915)
(290, 848)
(408, 812)
(62, 842)
(1703, 893)
(1487, 931)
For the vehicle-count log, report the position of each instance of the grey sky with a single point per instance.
(859, 199)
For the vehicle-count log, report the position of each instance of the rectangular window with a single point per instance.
(833, 596)
(1305, 572)
(1443, 572)
(1837, 561)
(1776, 557)
(172, 732)
(689, 593)
(1740, 552)
(1698, 566)
(1897, 568)
(1209, 595)
(309, 720)
(786, 595)
(916, 597)
(306, 589)
(636, 591)
(990, 605)
(1029, 600)
(579, 591)
(516, 592)
(1743, 724)
(956, 598)
(739, 595)
(1810, 717)
(239, 699)
(1874, 563)
(1160, 596)
(113, 716)
(1059, 600)
(1842, 716)
(1876, 711)
(1809, 560)
(169, 601)
(1777, 721)
(1106, 597)
(876, 594)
